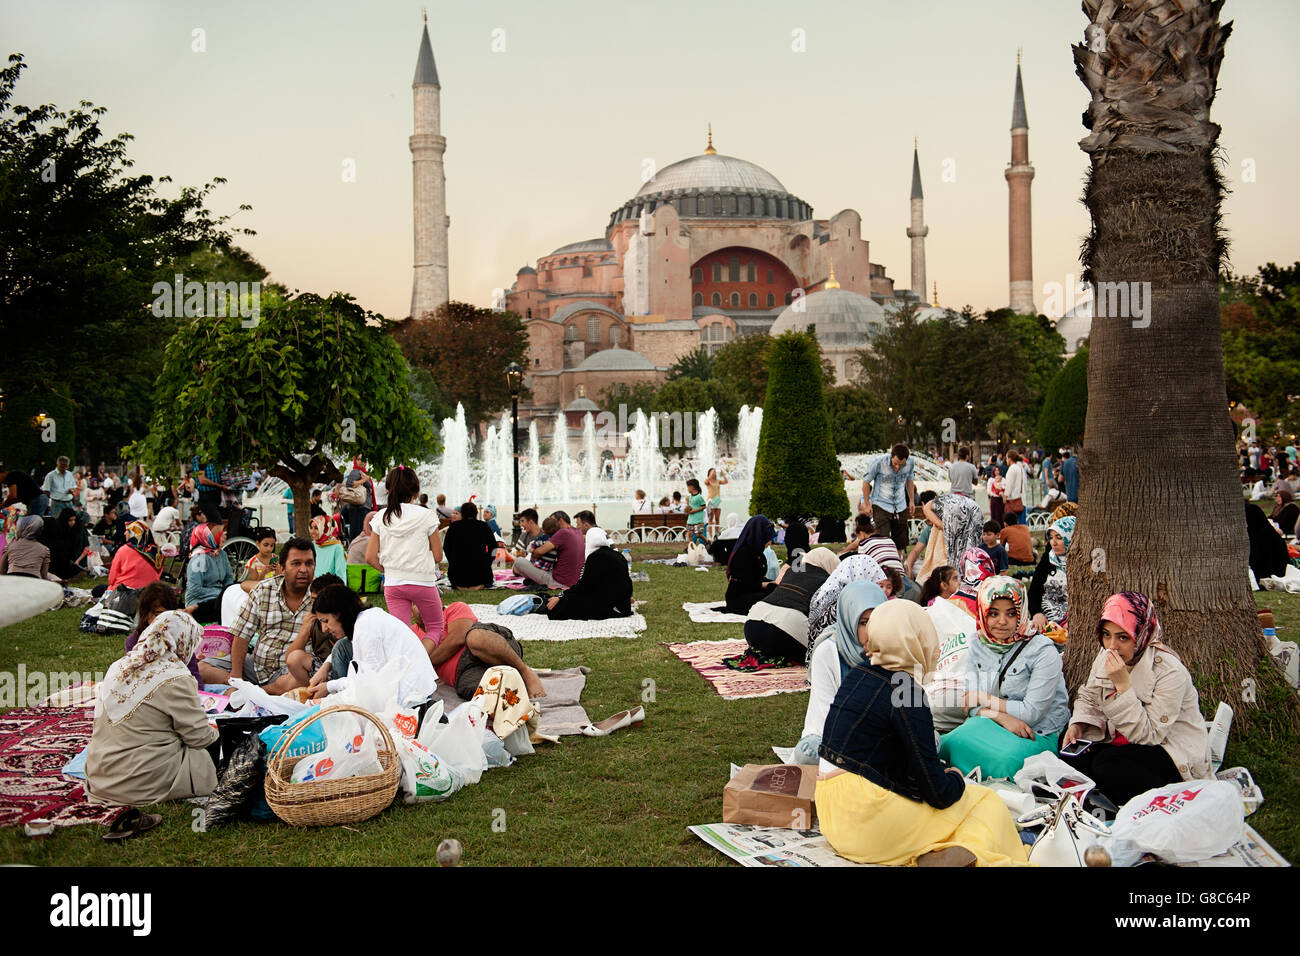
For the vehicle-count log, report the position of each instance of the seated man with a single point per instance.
(1015, 539)
(470, 648)
(592, 534)
(469, 546)
(570, 548)
(274, 614)
(529, 529)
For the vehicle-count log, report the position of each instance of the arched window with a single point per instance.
(753, 300)
(735, 300)
(593, 329)
(771, 300)
(699, 298)
(570, 333)
(749, 271)
(717, 298)
(717, 272)
(697, 275)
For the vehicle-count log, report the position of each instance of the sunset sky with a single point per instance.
(546, 137)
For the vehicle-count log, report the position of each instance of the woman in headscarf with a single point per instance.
(835, 652)
(330, 556)
(855, 567)
(604, 590)
(974, 568)
(1048, 603)
(777, 627)
(1138, 706)
(796, 538)
(24, 555)
(207, 575)
(1268, 553)
(1015, 687)
(1285, 511)
(882, 795)
(960, 519)
(747, 567)
(151, 735)
(1068, 510)
(997, 485)
(67, 539)
(137, 564)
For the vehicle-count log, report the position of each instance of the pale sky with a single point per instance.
(548, 135)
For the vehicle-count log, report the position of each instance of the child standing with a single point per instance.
(714, 484)
(696, 511)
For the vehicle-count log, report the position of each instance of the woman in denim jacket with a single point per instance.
(882, 794)
(1016, 697)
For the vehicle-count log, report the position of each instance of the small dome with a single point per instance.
(582, 405)
(622, 360)
(587, 245)
(842, 319)
(527, 271)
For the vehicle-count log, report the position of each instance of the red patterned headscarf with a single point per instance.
(991, 590)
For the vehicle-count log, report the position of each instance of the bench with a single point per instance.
(656, 527)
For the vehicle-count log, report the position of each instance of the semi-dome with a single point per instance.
(620, 360)
(587, 245)
(582, 404)
(840, 318)
(711, 171)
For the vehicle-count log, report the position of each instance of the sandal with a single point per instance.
(131, 822)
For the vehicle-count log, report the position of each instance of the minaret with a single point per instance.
(429, 289)
(919, 229)
(1019, 175)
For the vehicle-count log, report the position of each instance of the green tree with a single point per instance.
(466, 349)
(639, 395)
(690, 396)
(30, 421)
(1065, 408)
(696, 365)
(83, 242)
(277, 392)
(857, 419)
(1260, 321)
(797, 471)
(742, 364)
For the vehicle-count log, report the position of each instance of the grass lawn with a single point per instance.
(622, 800)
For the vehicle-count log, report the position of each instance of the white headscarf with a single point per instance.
(163, 653)
(596, 538)
(732, 530)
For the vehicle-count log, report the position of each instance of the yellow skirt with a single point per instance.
(869, 824)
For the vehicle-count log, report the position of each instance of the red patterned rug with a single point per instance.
(35, 744)
(706, 658)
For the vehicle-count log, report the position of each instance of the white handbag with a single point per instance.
(1068, 835)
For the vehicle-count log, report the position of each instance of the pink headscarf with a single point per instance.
(1136, 614)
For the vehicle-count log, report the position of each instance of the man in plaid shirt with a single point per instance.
(273, 613)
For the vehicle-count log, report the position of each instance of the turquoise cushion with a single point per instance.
(983, 742)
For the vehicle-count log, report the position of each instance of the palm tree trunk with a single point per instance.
(1160, 507)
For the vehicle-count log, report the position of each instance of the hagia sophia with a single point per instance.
(707, 249)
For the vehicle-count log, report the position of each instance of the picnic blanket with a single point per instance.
(706, 659)
(562, 710)
(506, 578)
(35, 745)
(538, 627)
(705, 614)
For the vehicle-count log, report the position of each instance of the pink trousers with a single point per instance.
(423, 596)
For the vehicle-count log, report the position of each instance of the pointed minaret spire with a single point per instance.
(831, 282)
(429, 289)
(709, 150)
(934, 299)
(918, 230)
(1019, 175)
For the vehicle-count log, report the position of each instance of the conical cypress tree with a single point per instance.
(797, 471)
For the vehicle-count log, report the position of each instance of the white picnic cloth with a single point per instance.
(538, 627)
(704, 614)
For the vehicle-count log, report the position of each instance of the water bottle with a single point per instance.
(627, 555)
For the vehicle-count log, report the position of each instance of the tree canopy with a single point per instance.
(465, 349)
(1065, 407)
(84, 240)
(857, 419)
(1260, 320)
(315, 379)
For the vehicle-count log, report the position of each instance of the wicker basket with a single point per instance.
(322, 803)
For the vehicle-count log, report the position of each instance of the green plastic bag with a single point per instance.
(364, 579)
(983, 742)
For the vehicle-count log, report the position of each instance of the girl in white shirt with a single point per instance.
(405, 546)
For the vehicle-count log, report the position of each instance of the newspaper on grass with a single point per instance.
(770, 846)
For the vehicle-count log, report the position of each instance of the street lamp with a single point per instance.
(515, 383)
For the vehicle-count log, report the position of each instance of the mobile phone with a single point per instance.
(1076, 748)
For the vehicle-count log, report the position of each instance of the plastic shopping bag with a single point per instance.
(310, 741)
(375, 691)
(459, 742)
(956, 630)
(349, 751)
(424, 776)
(1184, 822)
(1052, 773)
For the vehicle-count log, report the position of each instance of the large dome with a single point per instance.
(709, 172)
(710, 186)
(841, 319)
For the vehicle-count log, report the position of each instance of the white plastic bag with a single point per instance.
(424, 776)
(401, 721)
(246, 692)
(1050, 770)
(350, 751)
(955, 629)
(459, 742)
(375, 691)
(1184, 822)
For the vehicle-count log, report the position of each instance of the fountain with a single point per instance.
(454, 473)
(706, 449)
(643, 458)
(590, 457)
(748, 430)
(534, 465)
(560, 453)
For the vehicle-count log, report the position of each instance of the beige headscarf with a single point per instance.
(901, 637)
(823, 558)
(163, 653)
